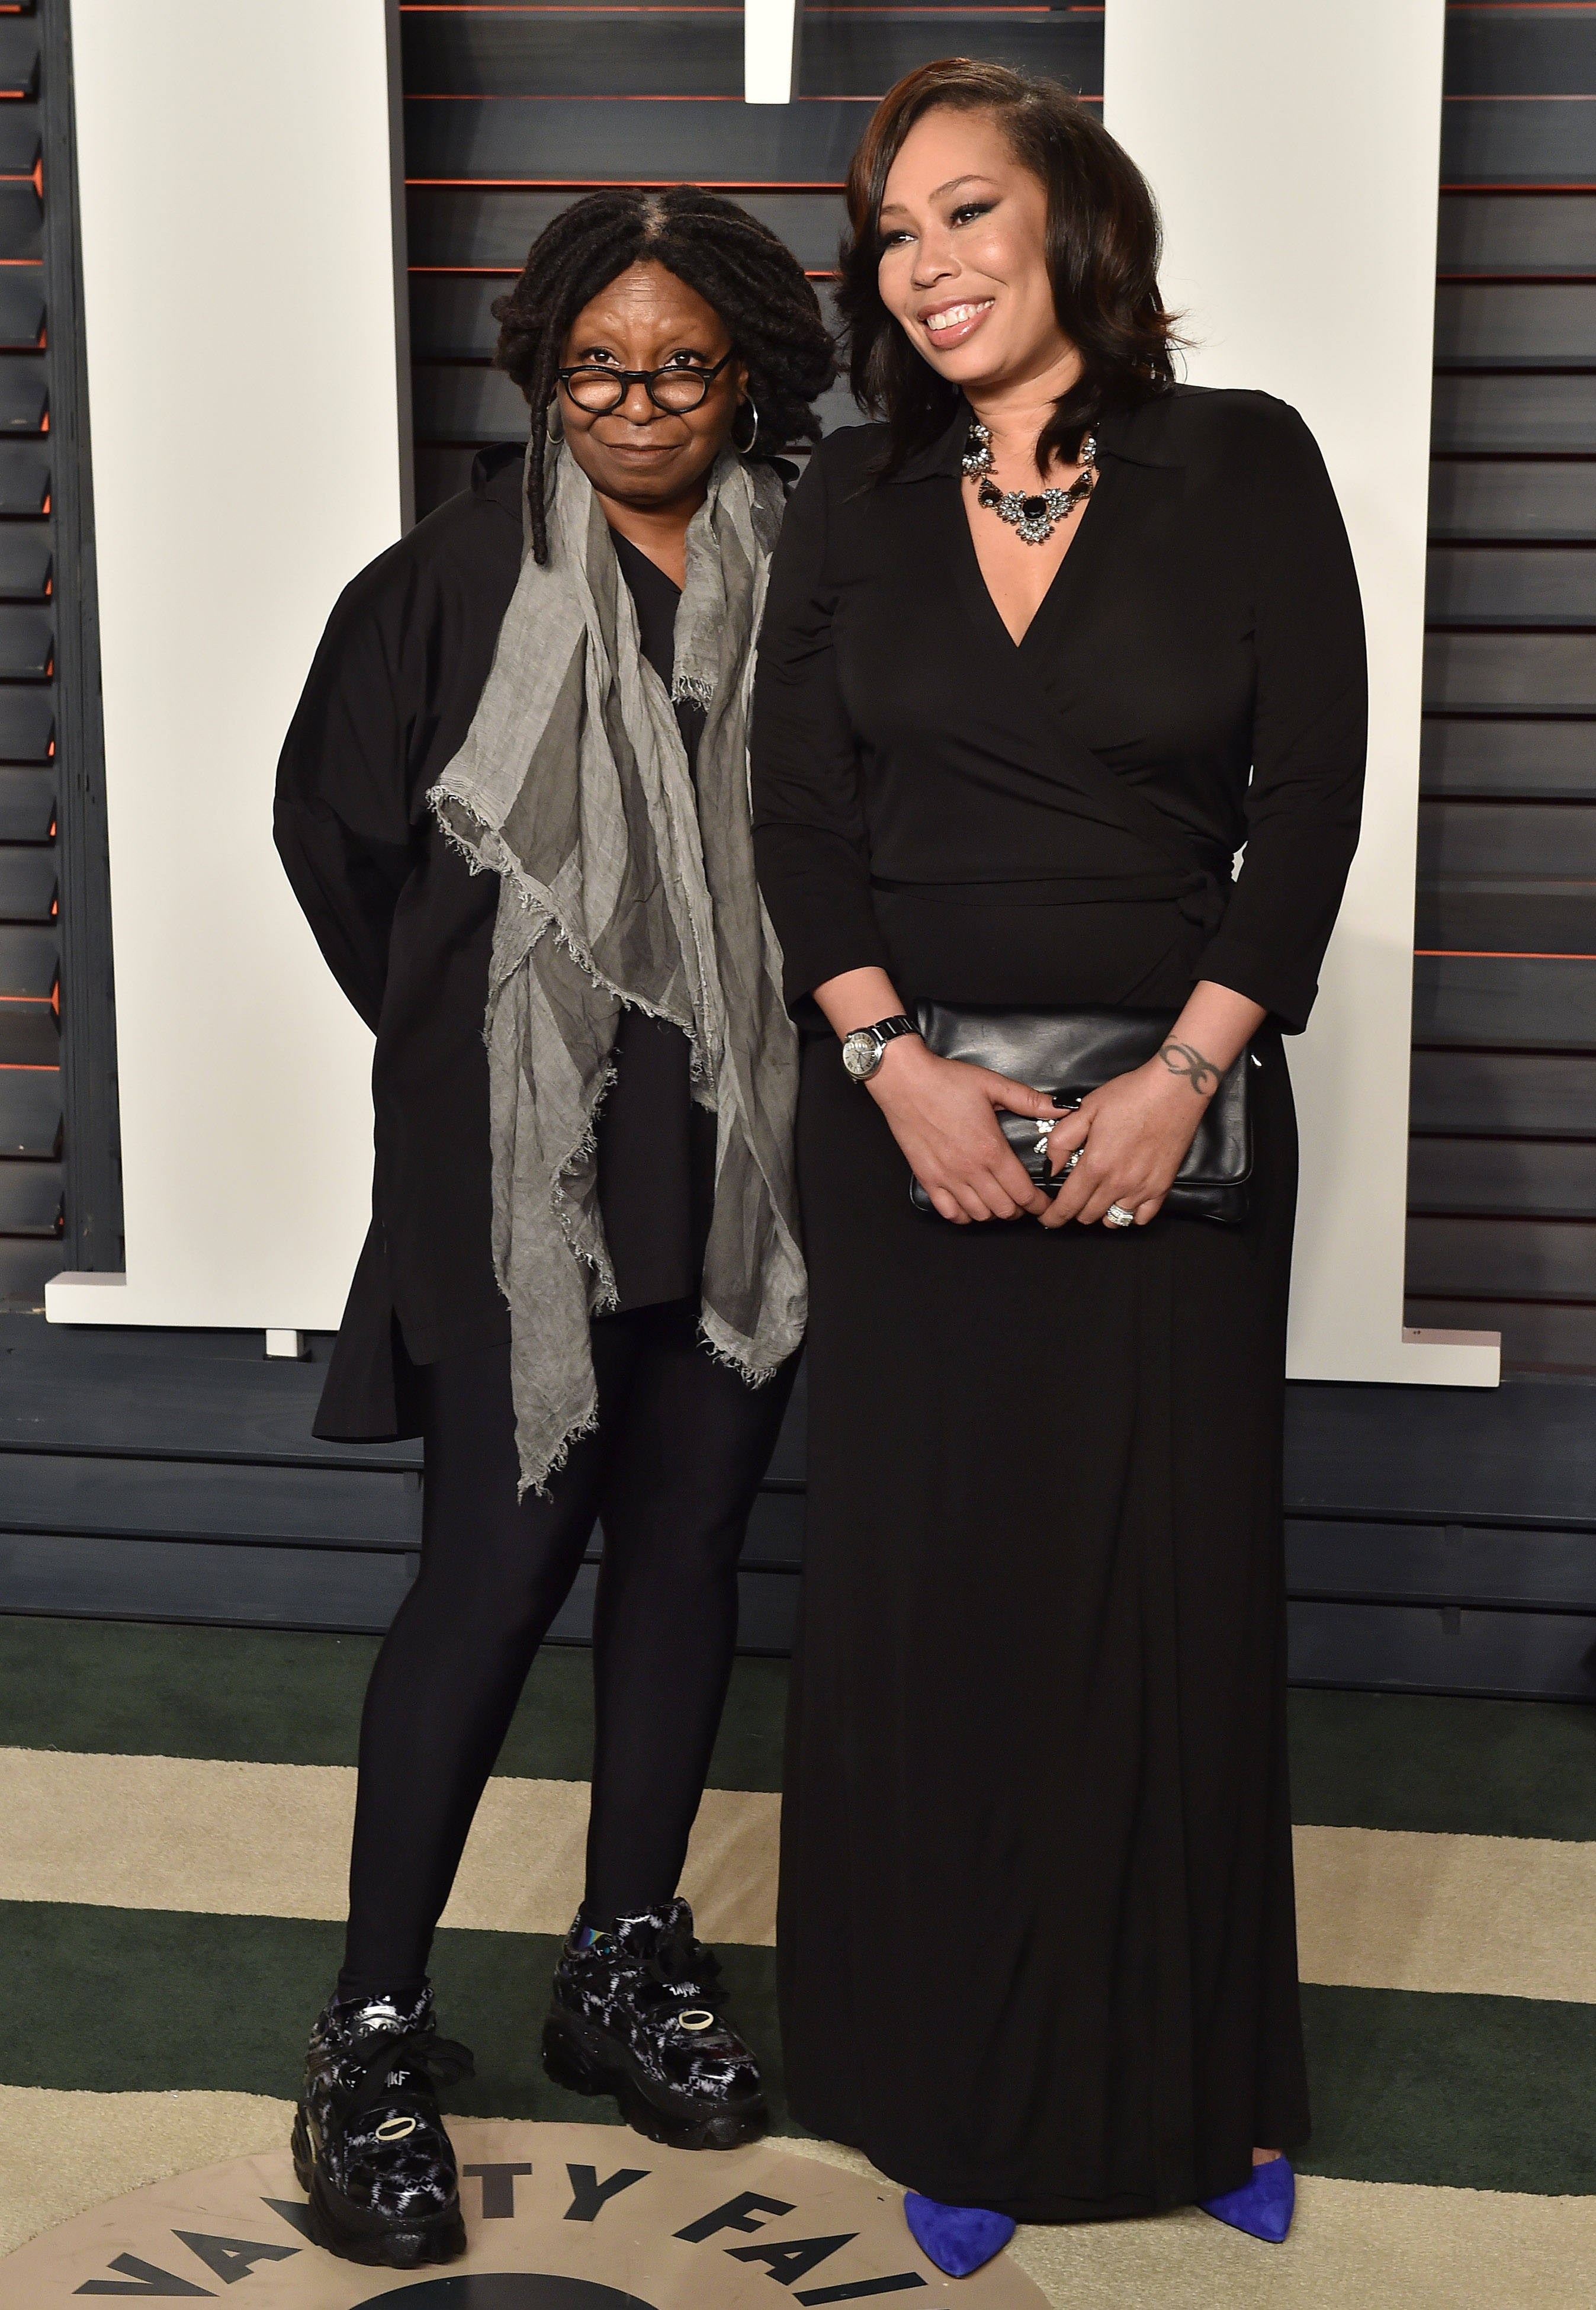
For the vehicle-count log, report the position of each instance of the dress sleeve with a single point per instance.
(1310, 727)
(342, 815)
(810, 838)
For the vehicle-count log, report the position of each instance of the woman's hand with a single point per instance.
(1134, 1132)
(943, 1115)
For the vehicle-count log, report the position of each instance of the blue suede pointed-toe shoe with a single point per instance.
(1262, 2207)
(956, 2238)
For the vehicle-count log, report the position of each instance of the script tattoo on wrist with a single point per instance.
(1201, 1074)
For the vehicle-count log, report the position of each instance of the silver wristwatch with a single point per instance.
(861, 1050)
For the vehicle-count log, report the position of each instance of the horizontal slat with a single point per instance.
(1521, 1454)
(27, 645)
(73, 1395)
(320, 1507)
(26, 805)
(1516, 141)
(504, 52)
(29, 961)
(19, 59)
(496, 225)
(29, 1113)
(467, 403)
(1499, 415)
(1512, 673)
(22, 306)
(561, 140)
(1501, 1259)
(1512, 586)
(24, 562)
(1441, 1564)
(1519, 51)
(1517, 232)
(1494, 1003)
(1525, 759)
(1537, 1335)
(30, 1204)
(23, 395)
(1522, 839)
(333, 1589)
(1503, 1178)
(27, 885)
(1519, 1094)
(1498, 916)
(1517, 324)
(24, 477)
(26, 1266)
(19, 139)
(1527, 497)
(22, 222)
(775, 1532)
(29, 1035)
(1418, 1648)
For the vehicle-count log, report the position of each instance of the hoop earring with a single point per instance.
(553, 423)
(746, 448)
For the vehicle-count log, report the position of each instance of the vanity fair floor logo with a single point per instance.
(558, 2217)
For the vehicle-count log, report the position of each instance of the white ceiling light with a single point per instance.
(771, 31)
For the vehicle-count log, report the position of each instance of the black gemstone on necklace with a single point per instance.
(1033, 508)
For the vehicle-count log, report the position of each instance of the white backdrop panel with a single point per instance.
(235, 179)
(1295, 152)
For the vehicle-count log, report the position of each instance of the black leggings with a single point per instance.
(673, 1469)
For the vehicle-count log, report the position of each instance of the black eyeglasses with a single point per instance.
(675, 390)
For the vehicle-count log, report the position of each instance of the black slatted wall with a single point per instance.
(1502, 1185)
(58, 1192)
(1438, 1539)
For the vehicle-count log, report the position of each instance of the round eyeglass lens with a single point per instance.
(598, 390)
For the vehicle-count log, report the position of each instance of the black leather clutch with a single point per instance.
(1068, 1052)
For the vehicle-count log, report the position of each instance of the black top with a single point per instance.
(1205, 625)
(407, 930)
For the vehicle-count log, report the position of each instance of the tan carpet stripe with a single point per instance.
(273, 1840)
(1377, 1909)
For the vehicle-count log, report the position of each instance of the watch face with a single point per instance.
(861, 1053)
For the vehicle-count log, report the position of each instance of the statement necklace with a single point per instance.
(1034, 519)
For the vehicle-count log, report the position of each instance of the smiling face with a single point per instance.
(639, 455)
(964, 262)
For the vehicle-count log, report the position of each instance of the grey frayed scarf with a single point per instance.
(619, 885)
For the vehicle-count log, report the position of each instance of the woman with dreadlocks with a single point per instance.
(582, 1286)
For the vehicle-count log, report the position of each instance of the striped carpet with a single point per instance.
(178, 1802)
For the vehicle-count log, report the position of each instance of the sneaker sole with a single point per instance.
(586, 2060)
(387, 2242)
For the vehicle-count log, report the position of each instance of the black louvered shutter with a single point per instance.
(1502, 1185)
(59, 1205)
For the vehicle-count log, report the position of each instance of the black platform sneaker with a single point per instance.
(636, 2013)
(370, 2146)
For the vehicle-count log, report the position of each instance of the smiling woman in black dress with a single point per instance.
(1036, 1937)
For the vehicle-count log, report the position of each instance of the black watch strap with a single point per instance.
(881, 1034)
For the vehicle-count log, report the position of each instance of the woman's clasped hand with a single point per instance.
(1132, 1135)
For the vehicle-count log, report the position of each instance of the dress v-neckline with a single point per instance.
(977, 593)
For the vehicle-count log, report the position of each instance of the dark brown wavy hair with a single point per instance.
(1103, 249)
(738, 266)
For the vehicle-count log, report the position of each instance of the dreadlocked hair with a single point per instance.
(735, 264)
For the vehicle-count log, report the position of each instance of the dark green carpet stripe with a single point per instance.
(1359, 1759)
(1482, 2093)
(1473, 1768)
(278, 1697)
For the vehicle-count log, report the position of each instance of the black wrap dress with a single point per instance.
(1036, 1942)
